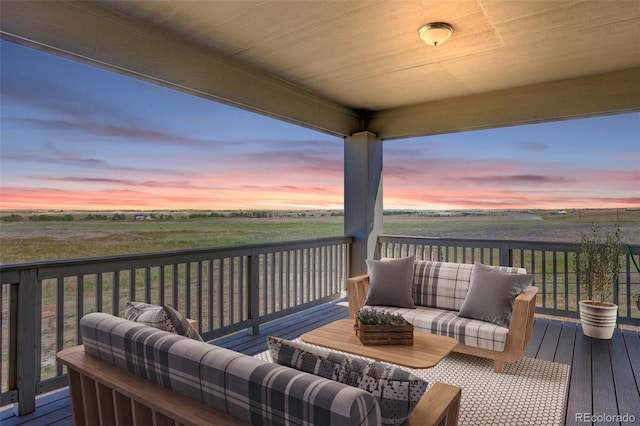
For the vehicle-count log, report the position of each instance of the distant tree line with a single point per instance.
(60, 218)
(51, 218)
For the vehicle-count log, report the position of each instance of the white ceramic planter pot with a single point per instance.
(598, 320)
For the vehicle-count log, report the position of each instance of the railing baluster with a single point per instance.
(59, 320)
(99, 292)
(233, 284)
(79, 305)
(199, 275)
(187, 289)
(132, 285)
(209, 297)
(627, 272)
(174, 286)
(115, 294)
(161, 278)
(220, 293)
(254, 302)
(272, 279)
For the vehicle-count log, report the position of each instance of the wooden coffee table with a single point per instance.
(427, 349)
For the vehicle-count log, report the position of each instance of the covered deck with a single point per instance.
(360, 72)
(604, 374)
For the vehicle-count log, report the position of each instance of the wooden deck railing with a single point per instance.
(550, 263)
(226, 289)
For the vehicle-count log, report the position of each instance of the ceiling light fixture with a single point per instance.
(435, 33)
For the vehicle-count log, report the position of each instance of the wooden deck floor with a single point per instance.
(605, 375)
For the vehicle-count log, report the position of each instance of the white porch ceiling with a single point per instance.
(367, 55)
(533, 60)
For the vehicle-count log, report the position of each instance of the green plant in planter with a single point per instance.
(369, 316)
(597, 262)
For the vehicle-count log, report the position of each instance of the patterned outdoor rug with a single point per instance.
(528, 392)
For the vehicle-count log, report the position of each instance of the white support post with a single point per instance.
(362, 197)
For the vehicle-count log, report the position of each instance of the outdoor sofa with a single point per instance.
(488, 310)
(130, 373)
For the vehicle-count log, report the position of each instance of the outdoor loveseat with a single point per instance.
(488, 310)
(130, 373)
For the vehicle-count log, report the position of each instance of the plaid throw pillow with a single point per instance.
(321, 362)
(180, 323)
(396, 390)
(161, 317)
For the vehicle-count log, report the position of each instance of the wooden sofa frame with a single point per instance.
(520, 328)
(103, 394)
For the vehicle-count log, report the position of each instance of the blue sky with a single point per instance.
(77, 137)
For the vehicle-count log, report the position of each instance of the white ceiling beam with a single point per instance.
(609, 93)
(90, 33)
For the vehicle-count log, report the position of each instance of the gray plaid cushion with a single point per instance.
(396, 390)
(254, 391)
(467, 331)
(161, 317)
(444, 285)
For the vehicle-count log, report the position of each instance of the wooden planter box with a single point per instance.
(384, 334)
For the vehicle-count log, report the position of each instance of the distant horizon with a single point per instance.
(630, 208)
(77, 137)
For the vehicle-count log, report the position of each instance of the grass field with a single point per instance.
(29, 241)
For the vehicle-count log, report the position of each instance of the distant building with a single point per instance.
(142, 217)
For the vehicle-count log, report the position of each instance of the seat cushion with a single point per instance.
(466, 331)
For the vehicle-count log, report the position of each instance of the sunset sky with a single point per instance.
(77, 137)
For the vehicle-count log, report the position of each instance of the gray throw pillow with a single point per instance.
(391, 282)
(492, 293)
(396, 390)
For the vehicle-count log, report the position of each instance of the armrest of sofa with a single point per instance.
(99, 390)
(357, 289)
(521, 325)
(194, 323)
(439, 406)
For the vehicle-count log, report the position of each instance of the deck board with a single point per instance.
(549, 343)
(580, 398)
(603, 373)
(604, 392)
(628, 402)
(632, 343)
(539, 329)
(566, 344)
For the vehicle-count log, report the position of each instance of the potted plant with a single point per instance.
(377, 327)
(597, 264)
